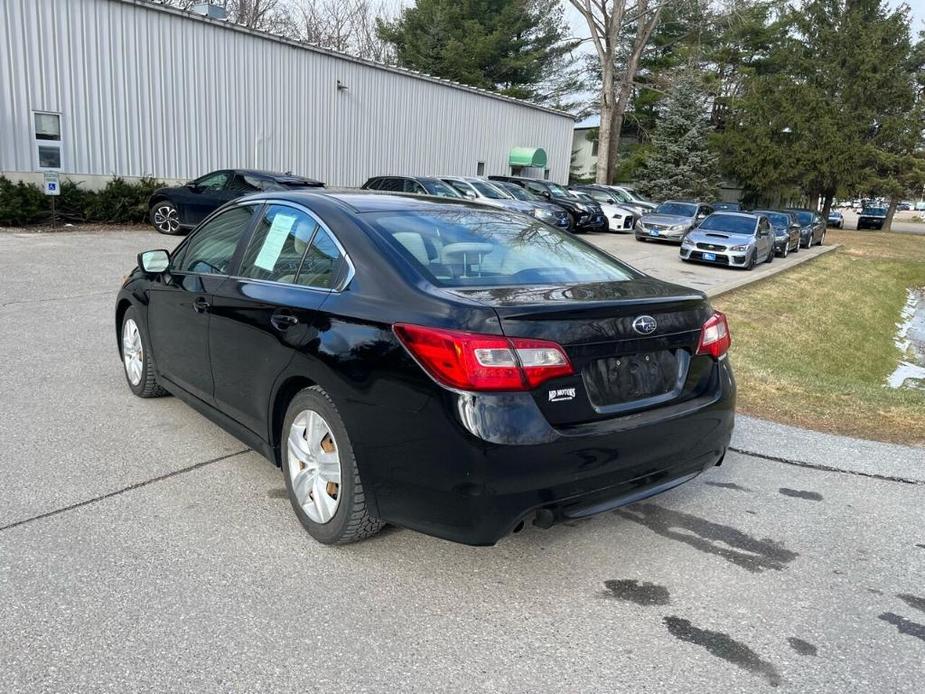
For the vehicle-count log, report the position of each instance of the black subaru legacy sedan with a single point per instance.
(430, 363)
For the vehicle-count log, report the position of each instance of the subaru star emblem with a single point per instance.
(645, 325)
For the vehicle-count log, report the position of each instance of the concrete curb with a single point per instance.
(829, 451)
(804, 256)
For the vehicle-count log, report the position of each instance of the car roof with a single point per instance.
(733, 213)
(277, 176)
(368, 201)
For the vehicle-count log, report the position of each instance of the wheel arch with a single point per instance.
(121, 307)
(284, 394)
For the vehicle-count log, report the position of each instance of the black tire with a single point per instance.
(147, 386)
(352, 520)
(786, 250)
(770, 258)
(752, 259)
(165, 217)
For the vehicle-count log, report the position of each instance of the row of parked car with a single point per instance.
(724, 234)
(578, 209)
(718, 233)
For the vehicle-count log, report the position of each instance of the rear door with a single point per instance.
(179, 305)
(271, 308)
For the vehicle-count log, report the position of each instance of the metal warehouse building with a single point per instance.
(101, 88)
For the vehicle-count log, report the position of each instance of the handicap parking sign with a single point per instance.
(52, 185)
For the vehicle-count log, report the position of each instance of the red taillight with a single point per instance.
(471, 361)
(714, 336)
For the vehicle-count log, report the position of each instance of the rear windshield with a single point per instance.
(875, 211)
(777, 219)
(729, 223)
(678, 209)
(439, 188)
(476, 248)
(520, 193)
(489, 191)
(804, 217)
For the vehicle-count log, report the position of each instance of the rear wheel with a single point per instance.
(770, 257)
(165, 217)
(320, 471)
(136, 358)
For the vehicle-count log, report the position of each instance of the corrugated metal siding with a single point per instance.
(143, 91)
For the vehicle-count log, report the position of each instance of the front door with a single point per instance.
(179, 306)
(205, 195)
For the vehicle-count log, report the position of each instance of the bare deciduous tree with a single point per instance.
(618, 54)
(348, 26)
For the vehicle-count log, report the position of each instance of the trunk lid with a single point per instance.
(619, 368)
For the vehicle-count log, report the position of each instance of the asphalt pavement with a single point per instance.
(144, 549)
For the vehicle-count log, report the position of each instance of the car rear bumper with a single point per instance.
(480, 465)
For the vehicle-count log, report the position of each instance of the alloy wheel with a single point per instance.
(314, 466)
(166, 219)
(132, 352)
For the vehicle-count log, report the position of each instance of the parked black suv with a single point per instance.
(586, 216)
(180, 208)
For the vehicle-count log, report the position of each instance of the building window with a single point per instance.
(47, 139)
(515, 170)
(594, 148)
(546, 174)
(480, 169)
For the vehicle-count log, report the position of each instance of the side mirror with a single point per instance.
(195, 187)
(547, 194)
(469, 194)
(154, 261)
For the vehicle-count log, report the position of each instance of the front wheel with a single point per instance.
(321, 473)
(770, 257)
(165, 217)
(752, 259)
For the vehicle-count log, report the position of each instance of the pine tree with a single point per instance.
(681, 164)
(515, 47)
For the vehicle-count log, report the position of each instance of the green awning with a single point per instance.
(528, 156)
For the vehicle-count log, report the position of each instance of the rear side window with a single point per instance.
(324, 265)
(210, 250)
(466, 248)
(278, 245)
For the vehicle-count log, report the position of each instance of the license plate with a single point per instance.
(709, 256)
(653, 232)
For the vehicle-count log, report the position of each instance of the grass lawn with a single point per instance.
(813, 346)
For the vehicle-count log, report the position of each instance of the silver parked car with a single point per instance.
(734, 239)
(671, 221)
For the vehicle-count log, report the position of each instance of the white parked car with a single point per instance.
(620, 217)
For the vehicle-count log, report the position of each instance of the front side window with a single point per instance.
(473, 248)
(729, 224)
(391, 184)
(461, 187)
(213, 181)
(211, 248)
(278, 245)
